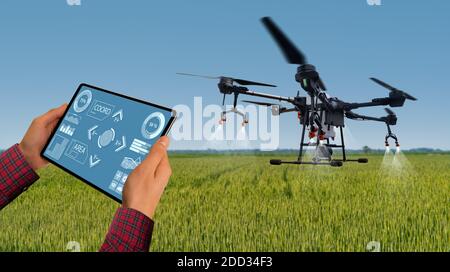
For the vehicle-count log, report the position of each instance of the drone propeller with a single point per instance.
(237, 80)
(259, 103)
(393, 89)
(292, 54)
(202, 76)
(389, 111)
(247, 82)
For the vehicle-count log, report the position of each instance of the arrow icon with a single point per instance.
(93, 161)
(124, 144)
(91, 132)
(118, 116)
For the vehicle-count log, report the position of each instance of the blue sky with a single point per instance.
(48, 47)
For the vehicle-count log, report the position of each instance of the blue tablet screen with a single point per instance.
(103, 137)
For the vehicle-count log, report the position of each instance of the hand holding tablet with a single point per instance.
(147, 182)
(104, 136)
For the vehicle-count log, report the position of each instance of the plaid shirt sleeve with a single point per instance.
(130, 231)
(16, 175)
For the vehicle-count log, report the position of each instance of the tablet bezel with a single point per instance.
(52, 135)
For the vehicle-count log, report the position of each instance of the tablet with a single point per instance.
(103, 136)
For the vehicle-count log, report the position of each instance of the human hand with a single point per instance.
(147, 182)
(37, 136)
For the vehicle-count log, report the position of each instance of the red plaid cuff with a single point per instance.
(130, 231)
(16, 175)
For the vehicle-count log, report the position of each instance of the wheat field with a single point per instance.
(241, 203)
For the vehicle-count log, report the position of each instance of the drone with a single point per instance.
(321, 114)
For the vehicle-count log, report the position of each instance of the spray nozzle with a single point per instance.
(245, 122)
(394, 137)
(312, 132)
(322, 136)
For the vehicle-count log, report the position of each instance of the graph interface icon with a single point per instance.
(57, 147)
(67, 129)
(140, 147)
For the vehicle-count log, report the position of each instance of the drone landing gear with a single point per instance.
(223, 117)
(324, 160)
(334, 163)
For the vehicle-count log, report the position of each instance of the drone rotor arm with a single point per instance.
(359, 117)
(384, 101)
(284, 110)
(259, 103)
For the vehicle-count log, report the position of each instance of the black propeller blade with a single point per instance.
(393, 89)
(259, 103)
(202, 76)
(237, 80)
(247, 82)
(389, 111)
(291, 52)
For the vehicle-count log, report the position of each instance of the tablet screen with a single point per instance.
(104, 136)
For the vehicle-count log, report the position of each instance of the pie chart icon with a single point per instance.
(82, 101)
(153, 125)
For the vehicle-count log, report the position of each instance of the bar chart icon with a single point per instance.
(140, 147)
(57, 147)
(67, 129)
